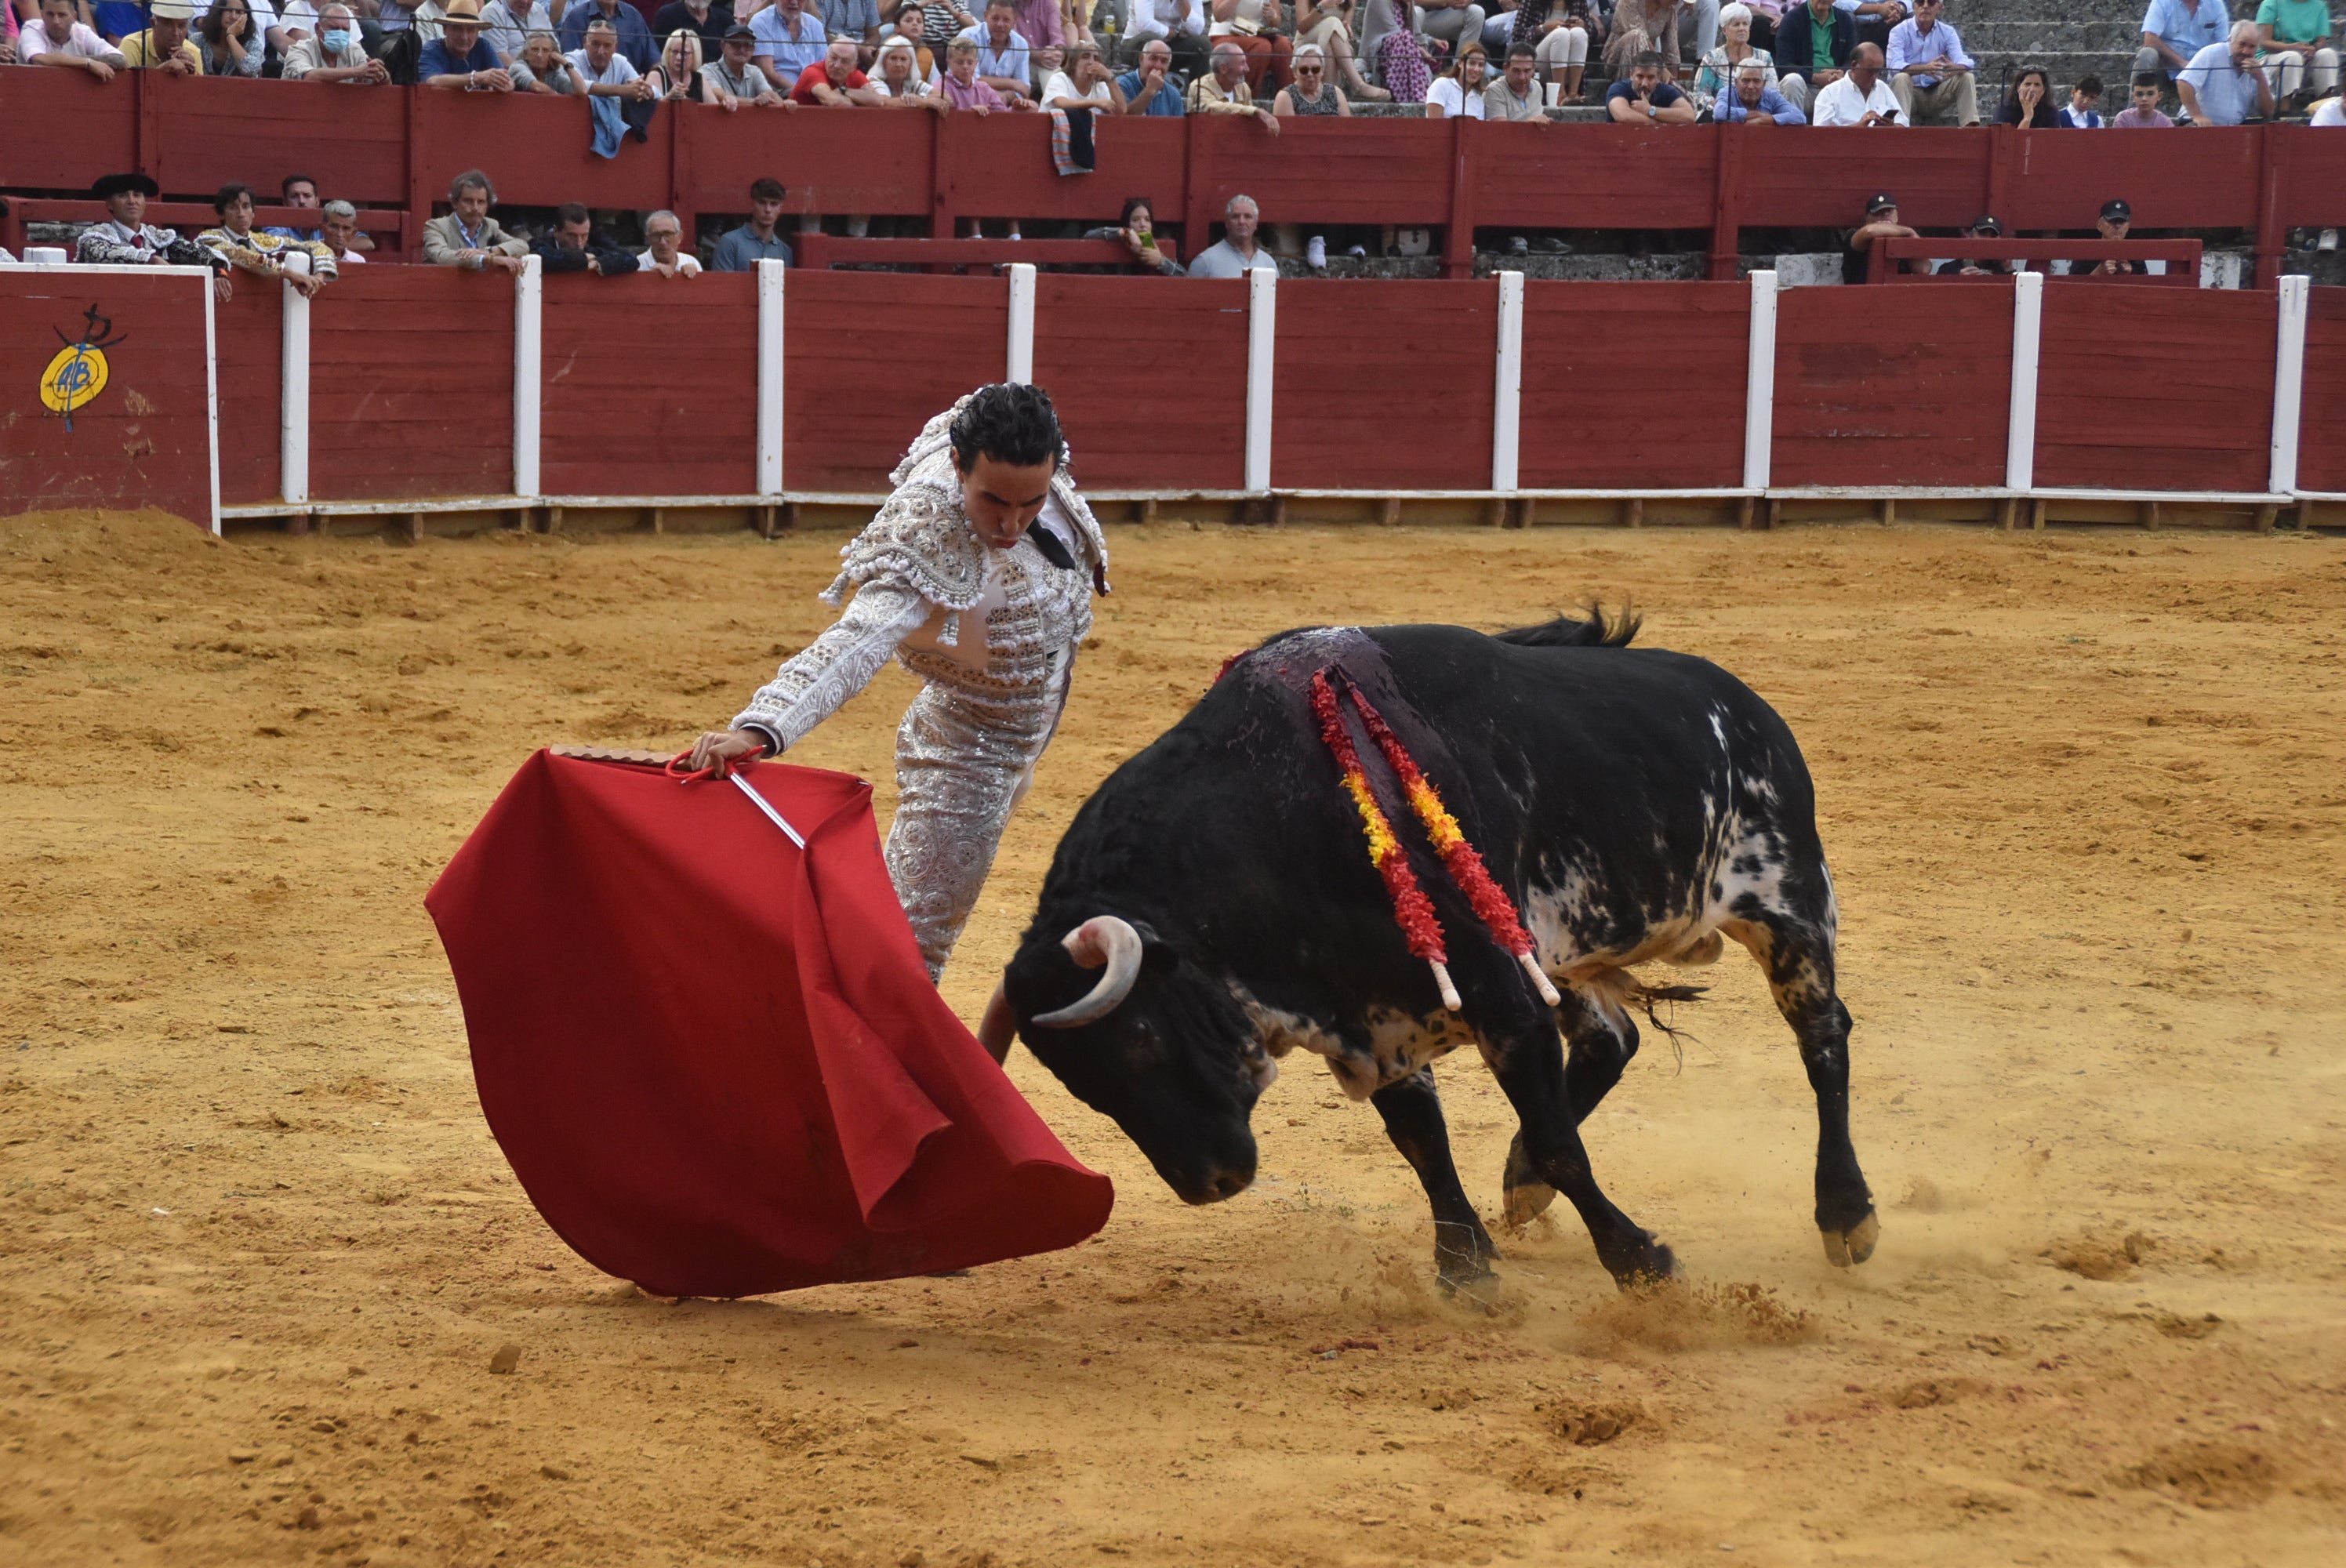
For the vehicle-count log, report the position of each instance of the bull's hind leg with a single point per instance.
(1602, 1042)
(1413, 1114)
(1797, 951)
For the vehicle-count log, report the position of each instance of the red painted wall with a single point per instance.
(869, 357)
(248, 329)
(1149, 378)
(1630, 385)
(2155, 389)
(1383, 385)
(649, 385)
(144, 438)
(411, 385)
(1917, 391)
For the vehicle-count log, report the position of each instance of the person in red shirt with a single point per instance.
(835, 83)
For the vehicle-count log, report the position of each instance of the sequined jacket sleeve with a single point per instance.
(818, 679)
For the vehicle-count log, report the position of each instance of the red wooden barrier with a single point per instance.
(1149, 377)
(2205, 180)
(411, 385)
(649, 385)
(1626, 385)
(1588, 176)
(1322, 171)
(143, 438)
(2321, 438)
(1821, 177)
(1917, 396)
(247, 330)
(1383, 385)
(2156, 389)
(871, 355)
(63, 129)
(999, 165)
(838, 160)
(535, 148)
(211, 131)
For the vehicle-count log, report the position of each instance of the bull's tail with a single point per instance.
(1600, 630)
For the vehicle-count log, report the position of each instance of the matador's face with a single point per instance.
(1001, 499)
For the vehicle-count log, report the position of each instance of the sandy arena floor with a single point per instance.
(2082, 795)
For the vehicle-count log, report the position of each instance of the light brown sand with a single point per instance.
(2083, 797)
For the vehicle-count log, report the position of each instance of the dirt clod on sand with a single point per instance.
(2081, 794)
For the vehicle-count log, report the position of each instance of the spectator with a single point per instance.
(126, 240)
(574, 244)
(1766, 16)
(233, 45)
(1004, 62)
(911, 28)
(1713, 80)
(2080, 113)
(2175, 30)
(734, 79)
(545, 68)
(2029, 101)
(1457, 93)
(961, 87)
(1516, 95)
(2144, 112)
(1931, 75)
(1812, 49)
(1561, 31)
(1456, 23)
(1253, 26)
(165, 45)
(1137, 230)
(627, 25)
(258, 251)
(1647, 99)
(834, 82)
(710, 21)
(2116, 219)
(1875, 19)
(1389, 37)
(1861, 97)
(1753, 101)
(56, 39)
(460, 59)
(742, 248)
(507, 25)
(1984, 227)
(664, 252)
(1328, 24)
(1086, 84)
(338, 231)
(1311, 93)
(609, 74)
(299, 192)
(1236, 254)
(900, 80)
(2222, 87)
(2295, 35)
(1180, 24)
(1147, 87)
(1640, 27)
(677, 75)
(789, 41)
(858, 22)
(2327, 113)
(468, 237)
(1881, 223)
(333, 54)
(1224, 91)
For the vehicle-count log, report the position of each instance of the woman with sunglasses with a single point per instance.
(1313, 91)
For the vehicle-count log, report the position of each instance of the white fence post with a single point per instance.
(1263, 339)
(211, 399)
(771, 279)
(1759, 384)
(293, 381)
(2289, 385)
(1508, 396)
(529, 322)
(1019, 362)
(2027, 338)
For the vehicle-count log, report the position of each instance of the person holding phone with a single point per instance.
(1861, 97)
(1136, 230)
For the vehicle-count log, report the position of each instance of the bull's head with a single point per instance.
(1143, 1035)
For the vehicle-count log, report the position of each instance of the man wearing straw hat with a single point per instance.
(977, 574)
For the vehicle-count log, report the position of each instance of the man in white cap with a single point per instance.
(165, 45)
(978, 574)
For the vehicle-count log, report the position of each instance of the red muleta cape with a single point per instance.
(714, 1059)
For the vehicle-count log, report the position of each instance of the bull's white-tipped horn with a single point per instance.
(1103, 940)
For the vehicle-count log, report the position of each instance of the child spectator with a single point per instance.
(2080, 114)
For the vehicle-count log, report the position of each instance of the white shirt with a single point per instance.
(32, 42)
(2327, 113)
(1454, 103)
(914, 87)
(351, 259)
(1061, 85)
(687, 264)
(1841, 104)
(618, 74)
(1162, 19)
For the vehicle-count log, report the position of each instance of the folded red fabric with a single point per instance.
(714, 1059)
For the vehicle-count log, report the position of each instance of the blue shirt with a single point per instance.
(1729, 108)
(791, 51)
(1909, 45)
(635, 33)
(2186, 26)
(439, 60)
(741, 251)
(2227, 97)
(1167, 100)
(1011, 62)
(850, 19)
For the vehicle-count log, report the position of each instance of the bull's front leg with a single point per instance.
(1412, 1112)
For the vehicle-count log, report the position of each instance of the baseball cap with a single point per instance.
(1986, 221)
(740, 30)
(2116, 212)
(1879, 202)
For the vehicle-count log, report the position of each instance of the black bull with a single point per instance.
(1213, 906)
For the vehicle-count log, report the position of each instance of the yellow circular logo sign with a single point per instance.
(74, 378)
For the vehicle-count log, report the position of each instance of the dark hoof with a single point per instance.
(1527, 1196)
(1650, 1265)
(1477, 1281)
(1855, 1245)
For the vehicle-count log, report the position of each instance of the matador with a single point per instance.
(977, 574)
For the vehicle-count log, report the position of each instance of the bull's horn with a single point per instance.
(998, 1027)
(1101, 939)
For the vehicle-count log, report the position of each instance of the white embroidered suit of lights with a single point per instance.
(992, 636)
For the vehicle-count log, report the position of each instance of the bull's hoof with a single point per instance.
(1471, 1277)
(1644, 1266)
(1855, 1245)
(1526, 1203)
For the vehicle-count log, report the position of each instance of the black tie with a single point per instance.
(1048, 543)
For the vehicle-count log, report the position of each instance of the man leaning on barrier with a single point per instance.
(468, 237)
(126, 240)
